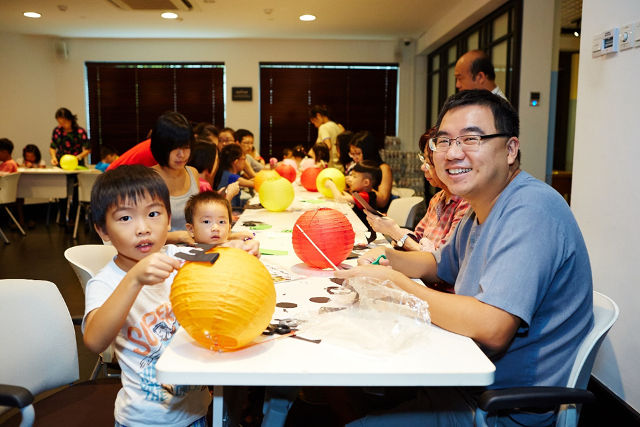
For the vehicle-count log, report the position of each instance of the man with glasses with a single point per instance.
(518, 262)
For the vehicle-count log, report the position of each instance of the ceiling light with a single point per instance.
(32, 14)
(169, 15)
(577, 34)
(307, 17)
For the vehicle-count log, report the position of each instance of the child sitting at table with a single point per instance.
(208, 217)
(363, 179)
(232, 163)
(107, 156)
(31, 157)
(128, 300)
(7, 164)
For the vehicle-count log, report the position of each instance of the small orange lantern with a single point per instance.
(287, 171)
(308, 178)
(264, 175)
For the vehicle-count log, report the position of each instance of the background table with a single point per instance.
(440, 359)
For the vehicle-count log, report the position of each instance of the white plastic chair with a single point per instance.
(569, 398)
(85, 184)
(403, 192)
(87, 261)
(39, 353)
(8, 194)
(403, 210)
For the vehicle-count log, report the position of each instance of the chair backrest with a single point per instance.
(605, 313)
(85, 184)
(87, 260)
(403, 192)
(9, 188)
(39, 350)
(403, 210)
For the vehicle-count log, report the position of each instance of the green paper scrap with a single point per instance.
(287, 230)
(264, 251)
(315, 201)
(260, 227)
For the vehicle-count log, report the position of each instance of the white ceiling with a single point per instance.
(337, 19)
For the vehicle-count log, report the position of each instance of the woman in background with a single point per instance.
(171, 141)
(328, 131)
(68, 138)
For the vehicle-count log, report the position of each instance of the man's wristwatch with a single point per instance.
(400, 243)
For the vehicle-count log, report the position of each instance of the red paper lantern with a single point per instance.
(308, 178)
(331, 232)
(286, 171)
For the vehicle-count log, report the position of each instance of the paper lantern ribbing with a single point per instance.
(332, 233)
(226, 305)
(286, 171)
(308, 178)
(276, 194)
(264, 175)
(334, 175)
(68, 162)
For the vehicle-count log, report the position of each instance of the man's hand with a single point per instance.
(384, 225)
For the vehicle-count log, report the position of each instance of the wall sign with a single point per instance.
(241, 93)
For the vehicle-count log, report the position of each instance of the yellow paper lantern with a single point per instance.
(225, 305)
(264, 175)
(276, 195)
(334, 175)
(68, 162)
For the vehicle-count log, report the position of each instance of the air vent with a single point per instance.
(184, 5)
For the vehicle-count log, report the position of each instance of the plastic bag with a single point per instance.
(382, 318)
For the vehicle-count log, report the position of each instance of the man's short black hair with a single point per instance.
(482, 64)
(6, 145)
(241, 133)
(505, 118)
(372, 170)
(205, 197)
(172, 130)
(126, 182)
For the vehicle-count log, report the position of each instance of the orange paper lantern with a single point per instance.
(286, 171)
(331, 232)
(224, 306)
(308, 178)
(334, 175)
(264, 175)
(276, 194)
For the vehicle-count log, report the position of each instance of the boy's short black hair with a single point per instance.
(241, 133)
(126, 182)
(6, 145)
(372, 170)
(203, 156)
(106, 150)
(205, 197)
(172, 130)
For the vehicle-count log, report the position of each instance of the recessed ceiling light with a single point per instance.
(577, 34)
(307, 17)
(32, 14)
(169, 15)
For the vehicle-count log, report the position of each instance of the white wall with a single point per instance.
(35, 83)
(605, 194)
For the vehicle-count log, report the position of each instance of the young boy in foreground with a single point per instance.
(128, 300)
